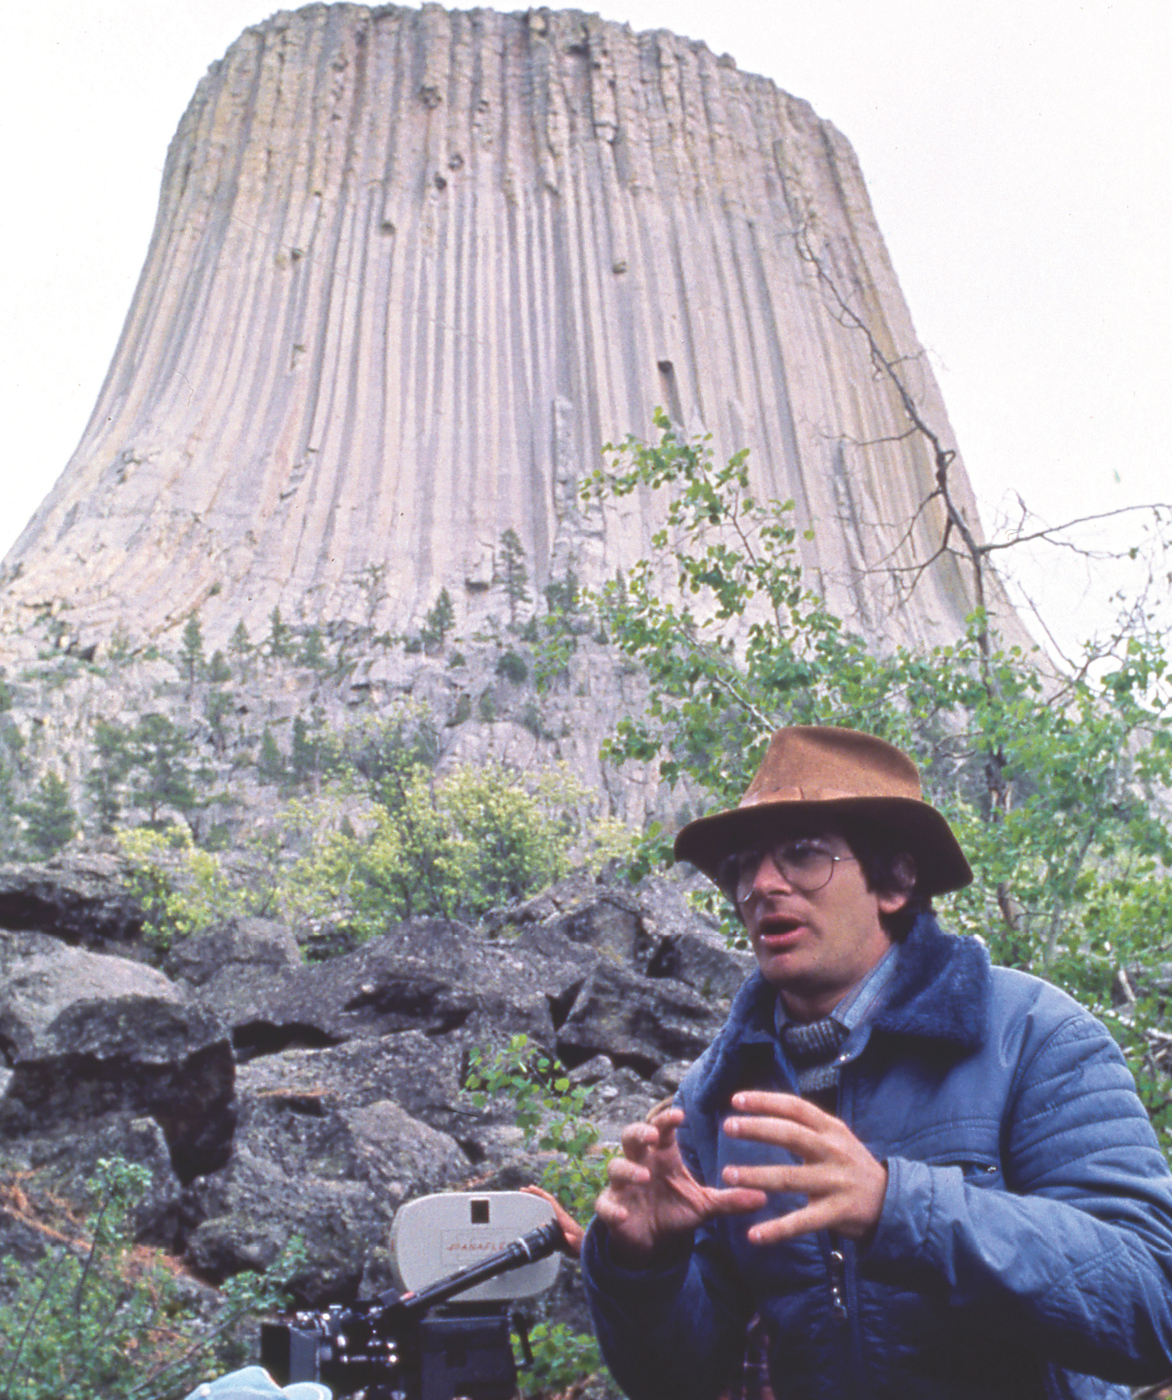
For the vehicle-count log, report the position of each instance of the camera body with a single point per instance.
(389, 1348)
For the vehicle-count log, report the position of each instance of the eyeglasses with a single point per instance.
(805, 865)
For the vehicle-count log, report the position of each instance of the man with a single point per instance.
(927, 1177)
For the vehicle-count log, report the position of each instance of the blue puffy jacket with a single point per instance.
(1025, 1243)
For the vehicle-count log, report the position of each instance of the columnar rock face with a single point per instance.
(412, 267)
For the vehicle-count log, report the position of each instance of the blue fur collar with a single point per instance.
(940, 992)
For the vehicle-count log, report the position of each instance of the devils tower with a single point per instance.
(411, 268)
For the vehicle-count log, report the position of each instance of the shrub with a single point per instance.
(512, 667)
(102, 1317)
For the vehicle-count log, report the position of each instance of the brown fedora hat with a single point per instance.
(812, 771)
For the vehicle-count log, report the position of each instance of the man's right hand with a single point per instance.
(652, 1199)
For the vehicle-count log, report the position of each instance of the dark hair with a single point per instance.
(887, 866)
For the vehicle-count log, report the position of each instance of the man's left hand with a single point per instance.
(843, 1183)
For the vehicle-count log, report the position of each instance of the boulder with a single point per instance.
(612, 926)
(138, 1052)
(426, 974)
(699, 957)
(303, 1165)
(218, 955)
(60, 1164)
(78, 896)
(638, 1021)
(41, 977)
(420, 1073)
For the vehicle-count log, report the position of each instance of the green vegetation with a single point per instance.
(50, 821)
(514, 575)
(180, 887)
(512, 666)
(456, 847)
(101, 1316)
(280, 638)
(439, 621)
(191, 658)
(562, 1359)
(552, 1113)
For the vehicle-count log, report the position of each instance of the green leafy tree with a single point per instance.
(181, 888)
(50, 821)
(483, 837)
(514, 575)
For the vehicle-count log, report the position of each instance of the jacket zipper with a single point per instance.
(838, 1259)
(836, 1264)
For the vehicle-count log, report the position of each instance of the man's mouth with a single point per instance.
(778, 928)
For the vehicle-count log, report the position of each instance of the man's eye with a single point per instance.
(804, 853)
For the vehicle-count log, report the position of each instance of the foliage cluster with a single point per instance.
(455, 847)
(553, 1115)
(551, 1112)
(104, 1317)
(180, 887)
(386, 839)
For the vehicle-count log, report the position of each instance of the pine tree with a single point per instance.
(50, 821)
(270, 764)
(217, 707)
(280, 641)
(218, 669)
(240, 644)
(191, 658)
(313, 652)
(306, 754)
(106, 778)
(159, 758)
(439, 621)
(514, 574)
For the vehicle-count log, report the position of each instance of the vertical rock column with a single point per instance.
(412, 267)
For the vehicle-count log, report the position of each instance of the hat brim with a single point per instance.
(917, 827)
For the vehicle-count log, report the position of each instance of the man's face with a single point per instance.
(814, 945)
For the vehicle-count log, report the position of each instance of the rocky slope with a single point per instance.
(271, 1097)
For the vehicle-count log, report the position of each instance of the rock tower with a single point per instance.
(411, 268)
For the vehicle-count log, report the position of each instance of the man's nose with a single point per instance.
(770, 877)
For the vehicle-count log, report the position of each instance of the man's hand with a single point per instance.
(573, 1232)
(843, 1183)
(652, 1199)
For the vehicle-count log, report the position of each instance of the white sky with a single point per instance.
(1018, 154)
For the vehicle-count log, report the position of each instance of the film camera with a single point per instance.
(468, 1257)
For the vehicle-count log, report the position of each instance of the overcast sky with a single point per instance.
(1018, 154)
